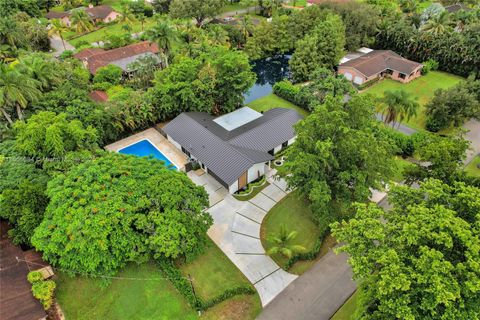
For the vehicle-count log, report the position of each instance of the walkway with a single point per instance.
(473, 135)
(317, 294)
(57, 45)
(236, 230)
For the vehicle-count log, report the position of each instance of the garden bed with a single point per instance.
(253, 188)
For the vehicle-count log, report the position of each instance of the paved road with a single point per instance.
(473, 135)
(317, 294)
(399, 127)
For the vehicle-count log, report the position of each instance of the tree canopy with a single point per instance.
(338, 155)
(420, 259)
(197, 9)
(116, 208)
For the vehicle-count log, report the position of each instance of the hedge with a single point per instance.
(369, 83)
(311, 255)
(185, 288)
(286, 90)
(404, 143)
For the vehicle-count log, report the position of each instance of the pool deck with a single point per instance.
(169, 150)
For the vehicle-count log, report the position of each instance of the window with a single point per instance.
(271, 152)
(389, 71)
(401, 76)
(285, 144)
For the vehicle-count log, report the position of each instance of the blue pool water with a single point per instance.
(144, 148)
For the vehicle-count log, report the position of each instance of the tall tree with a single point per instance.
(337, 156)
(438, 24)
(58, 28)
(81, 21)
(115, 209)
(42, 69)
(323, 47)
(420, 259)
(17, 90)
(200, 10)
(165, 35)
(398, 106)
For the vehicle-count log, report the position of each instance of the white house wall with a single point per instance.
(253, 172)
(292, 140)
(175, 143)
(233, 188)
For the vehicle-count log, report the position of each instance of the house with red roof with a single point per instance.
(98, 14)
(94, 58)
(370, 64)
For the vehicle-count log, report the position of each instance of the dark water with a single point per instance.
(269, 71)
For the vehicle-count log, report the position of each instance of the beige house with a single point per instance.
(379, 64)
(98, 14)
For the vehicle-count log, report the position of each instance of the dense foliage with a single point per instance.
(114, 209)
(197, 9)
(338, 156)
(213, 82)
(420, 259)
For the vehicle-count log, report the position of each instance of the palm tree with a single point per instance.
(164, 35)
(9, 32)
(142, 18)
(16, 90)
(127, 18)
(398, 105)
(282, 243)
(246, 26)
(57, 28)
(36, 66)
(81, 20)
(438, 24)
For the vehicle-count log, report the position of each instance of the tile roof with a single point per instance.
(98, 96)
(96, 58)
(228, 154)
(99, 12)
(56, 15)
(377, 61)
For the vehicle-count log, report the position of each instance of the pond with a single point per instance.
(268, 71)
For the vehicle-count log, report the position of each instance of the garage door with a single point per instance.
(348, 75)
(358, 80)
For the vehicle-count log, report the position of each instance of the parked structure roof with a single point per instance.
(97, 58)
(377, 61)
(229, 153)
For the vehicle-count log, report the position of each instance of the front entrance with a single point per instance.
(242, 180)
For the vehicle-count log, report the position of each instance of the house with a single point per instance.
(99, 96)
(94, 58)
(235, 148)
(16, 299)
(372, 64)
(98, 14)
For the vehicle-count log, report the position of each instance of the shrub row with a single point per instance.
(368, 83)
(311, 255)
(184, 287)
(288, 91)
(404, 143)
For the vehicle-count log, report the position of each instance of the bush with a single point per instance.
(429, 65)
(368, 83)
(311, 255)
(66, 54)
(42, 290)
(286, 90)
(110, 73)
(185, 288)
(103, 86)
(434, 125)
(404, 143)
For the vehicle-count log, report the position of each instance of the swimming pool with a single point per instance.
(144, 148)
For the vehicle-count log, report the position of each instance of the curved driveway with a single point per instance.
(236, 230)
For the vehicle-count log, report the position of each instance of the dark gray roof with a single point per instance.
(228, 154)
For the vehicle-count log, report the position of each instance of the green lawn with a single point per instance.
(422, 88)
(83, 298)
(292, 212)
(113, 29)
(297, 3)
(233, 7)
(213, 273)
(272, 101)
(348, 309)
(471, 169)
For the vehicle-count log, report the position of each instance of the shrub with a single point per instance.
(43, 291)
(66, 54)
(429, 65)
(286, 90)
(104, 86)
(368, 83)
(310, 255)
(434, 125)
(34, 276)
(404, 143)
(110, 73)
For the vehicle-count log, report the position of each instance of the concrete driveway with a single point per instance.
(236, 230)
(473, 135)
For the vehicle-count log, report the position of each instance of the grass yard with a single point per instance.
(213, 273)
(231, 7)
(348, 309)
(294, 213)
(245, 307)
(422, 88)
(297, 3)
(273, 101)
(472, 168)
(83, 298)
(113, 29)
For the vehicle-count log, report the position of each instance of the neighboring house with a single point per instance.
(378, 64)
(235, 148)
(97, 14)
(94, 58)
(16, 299)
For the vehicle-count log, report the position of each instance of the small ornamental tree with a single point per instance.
(110, 73)
(43, 290)
(115, 209)
(420, 260)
